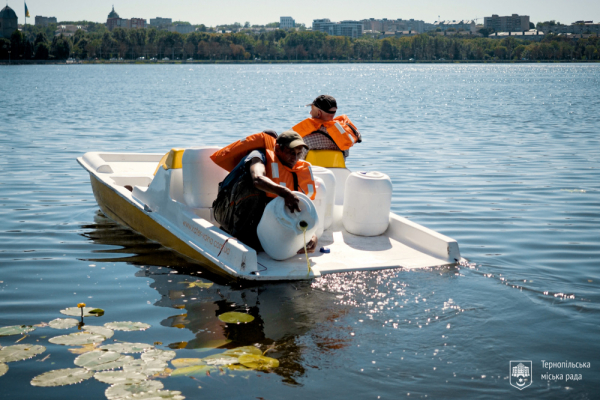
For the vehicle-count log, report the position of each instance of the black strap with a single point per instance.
(295, 181)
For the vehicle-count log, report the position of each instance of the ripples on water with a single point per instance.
(502, 158)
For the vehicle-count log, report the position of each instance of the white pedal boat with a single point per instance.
(154, 206)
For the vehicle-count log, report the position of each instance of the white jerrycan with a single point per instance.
(281, 232)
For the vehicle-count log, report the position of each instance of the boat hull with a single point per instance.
(120, 210)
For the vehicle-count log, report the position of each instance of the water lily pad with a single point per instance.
(122, 390)
(237, 367)
(115, 377)
(187, 362)
(127, 326)
(3, 368)
(126, 347)
(157, 354)
(62, 377)
(194, 370)
(99, 330)
(15, 330)
(76, 311)
(20, 352)
(234, 317)
(86, 348)
(240, 351)
(158, 395)
(200, 284)
(77, 339)
(220, 359)
(98, 312)
(94, 358)
(63, 323)
(118, 363)
(150, 367)
(258, 362)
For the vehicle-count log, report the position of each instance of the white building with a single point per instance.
(286, 23)
(578, 27)
(513, 23)
(353, 29)
(393, 25)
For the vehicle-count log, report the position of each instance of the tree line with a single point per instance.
(130, 44)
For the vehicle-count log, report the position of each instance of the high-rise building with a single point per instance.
(393, 25)
(158, 21)
(514, 23)
(352, 29)
(44, 21)
(463, 25)
(286, 22)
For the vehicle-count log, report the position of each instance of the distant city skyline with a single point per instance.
(212, 13)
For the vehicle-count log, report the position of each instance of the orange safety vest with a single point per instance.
(230, 156)
(284, 176)
(340, 129)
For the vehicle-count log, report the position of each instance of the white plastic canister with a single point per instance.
(320, 203)
(329, 180)
(367, 202)
(279, 230)
(201, 176)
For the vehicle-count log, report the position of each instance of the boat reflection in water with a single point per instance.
(289, 316)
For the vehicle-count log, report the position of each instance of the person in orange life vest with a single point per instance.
(325, 131)
(261, 168)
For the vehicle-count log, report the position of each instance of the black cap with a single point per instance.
(290, 139)
(324, 102)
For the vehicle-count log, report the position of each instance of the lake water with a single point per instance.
(502, 158)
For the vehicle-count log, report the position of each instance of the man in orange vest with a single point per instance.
(260, 169)
(325, 131)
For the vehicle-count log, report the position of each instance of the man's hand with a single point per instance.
(311, 246)
(292, 201)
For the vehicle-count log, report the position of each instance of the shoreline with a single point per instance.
(138, 62)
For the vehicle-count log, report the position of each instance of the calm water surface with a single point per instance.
(504, 159)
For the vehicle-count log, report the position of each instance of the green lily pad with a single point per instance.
(194, 370)
(126, 347)
(200, 284)
(76, 311)
(118, 363)
(99, 330)
(240, 351)
(157, 354)
(187, 362)
(77, 339)
(116, 377)
(62, 377)
(95, 358)
(122, 390)
(237, 367)
(258, 362)
(127, 326)
(150, 367)
(220, 359)
(20, 352)
(158, 395)
(3, 368)
(234, 317)
(98, 312)
(15, 330)
(63, 323)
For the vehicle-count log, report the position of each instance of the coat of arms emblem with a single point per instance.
(520, 374)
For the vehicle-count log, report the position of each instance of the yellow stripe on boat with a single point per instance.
(171, 160)
(326, 158)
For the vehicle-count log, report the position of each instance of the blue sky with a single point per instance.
(213, 12)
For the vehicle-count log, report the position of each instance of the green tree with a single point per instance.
(60, 48)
